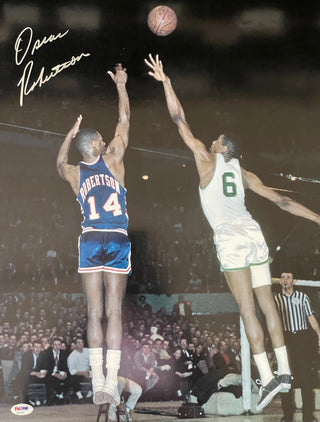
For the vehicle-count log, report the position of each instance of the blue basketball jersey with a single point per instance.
(102, 199)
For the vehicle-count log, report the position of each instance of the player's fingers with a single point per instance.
(148, 63)
(110, 74)
(151, 58)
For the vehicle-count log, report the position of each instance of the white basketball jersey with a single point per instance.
(222, 199)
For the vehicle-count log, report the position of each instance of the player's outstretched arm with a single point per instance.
(120, 141)
(63, 166)
(175, 108)
(285, 203)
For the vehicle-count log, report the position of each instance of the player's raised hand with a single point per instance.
(75, 128)
(156, 67)
(120, 76)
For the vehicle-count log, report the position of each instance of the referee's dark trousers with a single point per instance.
(299, 347)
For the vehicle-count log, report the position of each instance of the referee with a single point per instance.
(296, 311)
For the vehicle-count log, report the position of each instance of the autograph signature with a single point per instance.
(20, 54)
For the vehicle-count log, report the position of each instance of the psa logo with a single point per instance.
(21, 409)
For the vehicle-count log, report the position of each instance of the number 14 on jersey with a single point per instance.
(112, 204)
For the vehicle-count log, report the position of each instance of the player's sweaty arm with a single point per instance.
(283, 202)
(175, 109)
(121, 137)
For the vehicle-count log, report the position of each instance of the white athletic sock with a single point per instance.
(264, 369)
(282, 359)
(96, 362)
(112, 364)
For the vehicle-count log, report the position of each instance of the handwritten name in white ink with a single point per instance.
(23, 47)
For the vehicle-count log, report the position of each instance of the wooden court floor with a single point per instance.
(88, 413)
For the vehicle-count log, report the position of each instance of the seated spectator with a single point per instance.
(163, 369)
(161, 351)
(166, 349)
(222, 359)
(191, 349)
(28, 374)
(7, 352)
(186, 354)
(207, 345)
(53, 363)
(200, 366)
(68, 333)
(145, 364)
(235, 356)
(79, 365)
(182, 381)
(45, 343)
(195, 283)
(154, 333)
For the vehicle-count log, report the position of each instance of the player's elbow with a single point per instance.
(60, 169)
(284, 203)
(177, 118)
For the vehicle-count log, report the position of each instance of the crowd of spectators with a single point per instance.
(164, 354)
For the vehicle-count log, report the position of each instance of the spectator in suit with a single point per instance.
(143, 305)
(186, 354)
(182, 308)
(235, 355)
(53, 363)
(200, 363)
(182, 380)
(28, 374)
(45, 343)
(222, 358)
(7, 352)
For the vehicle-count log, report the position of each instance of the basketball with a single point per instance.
(162, 20)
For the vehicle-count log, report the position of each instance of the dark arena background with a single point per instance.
(249, 67)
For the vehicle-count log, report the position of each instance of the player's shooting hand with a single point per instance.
(75, 128)
(156, 68)
(120, 76)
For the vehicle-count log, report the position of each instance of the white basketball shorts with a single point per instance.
(241, 245)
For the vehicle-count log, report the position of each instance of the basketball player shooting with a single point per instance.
(104, 248)
(241, 248)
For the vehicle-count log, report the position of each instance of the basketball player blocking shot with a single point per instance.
(241, 247)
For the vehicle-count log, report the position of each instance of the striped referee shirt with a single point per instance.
(294, 311)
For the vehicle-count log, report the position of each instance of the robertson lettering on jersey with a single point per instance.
(98, 180)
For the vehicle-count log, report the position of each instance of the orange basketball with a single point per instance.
(162, 20)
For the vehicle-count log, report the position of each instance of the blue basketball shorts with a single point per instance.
(108, 251)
